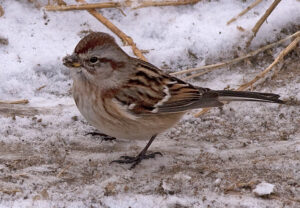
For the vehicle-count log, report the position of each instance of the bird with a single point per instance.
(125, 97)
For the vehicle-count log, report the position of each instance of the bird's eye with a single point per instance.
(93, 60)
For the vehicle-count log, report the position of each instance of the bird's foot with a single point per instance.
(135, 160)
(103, 136)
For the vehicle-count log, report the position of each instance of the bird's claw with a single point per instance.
(135, 160)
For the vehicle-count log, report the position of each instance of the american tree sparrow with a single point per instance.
(125, 97)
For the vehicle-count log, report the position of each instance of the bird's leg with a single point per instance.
(141, 156)
(103, 136)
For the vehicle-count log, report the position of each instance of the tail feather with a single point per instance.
(228, 95)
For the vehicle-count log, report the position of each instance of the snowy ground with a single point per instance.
(216, 160)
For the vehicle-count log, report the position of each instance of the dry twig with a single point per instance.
(9, 110)
(282, 54)
(3, 41)
(41, 87)
(126, 39)
(35, 3)
(216, 66)
(25, 101)
(244, 11)
(261, 20)
(240, 185)
(285, 199)
(83, 6)
(63, 170)
(10, 191)
(165, 3)
(1, 11)
(233, 61)
(127, 3)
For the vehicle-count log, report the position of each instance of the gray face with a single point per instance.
(102, 64)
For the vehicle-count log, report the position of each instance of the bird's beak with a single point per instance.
(71, 61)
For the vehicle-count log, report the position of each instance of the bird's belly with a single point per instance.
(139, 127)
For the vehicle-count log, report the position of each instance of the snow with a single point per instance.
(182, 176)
(47, 160)
(264, 189)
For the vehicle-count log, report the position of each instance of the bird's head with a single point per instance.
(99, 59)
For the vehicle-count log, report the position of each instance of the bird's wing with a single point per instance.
(151, 91)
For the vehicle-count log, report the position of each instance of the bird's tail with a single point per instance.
(228, 95)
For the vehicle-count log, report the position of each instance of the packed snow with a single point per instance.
(264, 189)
